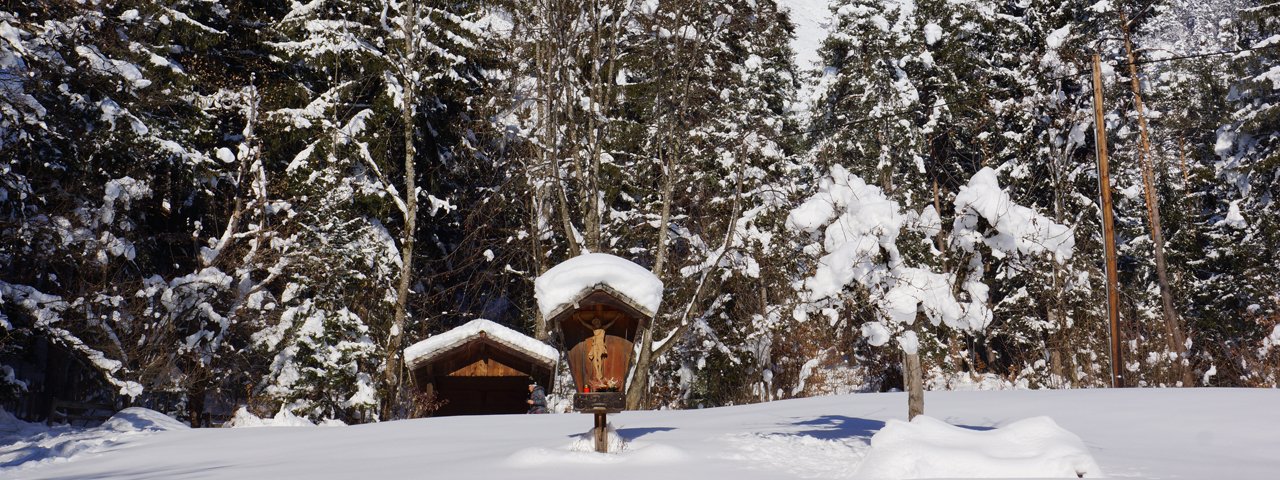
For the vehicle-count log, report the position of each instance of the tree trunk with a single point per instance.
(1056, 314)
(536, 176)
(195, 405)
(602, 97)
(591, 197)
(568, 98)
(394, 355)
(913, 377)
(639, 385)
(535, 250)
(1186, 174)
(1173, 328)
(640, 379)
(554, 77)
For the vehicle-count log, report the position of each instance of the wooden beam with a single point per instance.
(1108, 224)
(601, 430)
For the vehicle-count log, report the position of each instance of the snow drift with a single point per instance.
(930, 448)
(30, 444)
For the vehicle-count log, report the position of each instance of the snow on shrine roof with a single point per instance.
(576, 277)
(433, 347)
(572, 279)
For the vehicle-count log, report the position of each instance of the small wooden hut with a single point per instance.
(480, 368)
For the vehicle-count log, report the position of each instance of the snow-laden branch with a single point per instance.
(861, 225)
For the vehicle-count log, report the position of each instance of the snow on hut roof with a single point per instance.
(576, 277)
(430, 348)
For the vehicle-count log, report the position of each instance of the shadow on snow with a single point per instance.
(838, 427)
(630, 434)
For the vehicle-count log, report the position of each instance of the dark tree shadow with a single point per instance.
(839, 427)
(630, 434)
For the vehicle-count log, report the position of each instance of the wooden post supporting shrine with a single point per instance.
(601, 430)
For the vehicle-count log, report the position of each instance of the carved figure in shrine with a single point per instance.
(598, 351)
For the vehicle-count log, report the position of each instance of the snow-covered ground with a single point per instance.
(1190, 433)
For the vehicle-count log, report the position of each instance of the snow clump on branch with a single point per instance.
(861, 226)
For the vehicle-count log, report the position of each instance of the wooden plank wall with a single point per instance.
(615, 363)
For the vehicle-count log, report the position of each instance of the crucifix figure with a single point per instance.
(597, 351)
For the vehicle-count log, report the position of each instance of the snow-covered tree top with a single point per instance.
(862, 225)
(569, 281)
(430, 348)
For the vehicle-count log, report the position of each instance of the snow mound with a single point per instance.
(586, 442)
(24, 445)
(930, 448)
(283, 418)
(13, 429)
(137, 419)
(582, 452)
(567, 282)
(1216, 433)
(427, 349)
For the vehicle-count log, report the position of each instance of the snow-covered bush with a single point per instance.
(858, 229)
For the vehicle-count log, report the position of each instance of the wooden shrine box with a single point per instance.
(480, 368)
(599, 329)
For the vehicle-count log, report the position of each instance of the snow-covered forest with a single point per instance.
(217, 203)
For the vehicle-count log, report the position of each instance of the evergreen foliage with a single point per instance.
(207, 202)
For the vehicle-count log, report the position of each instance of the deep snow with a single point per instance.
(1183, 433)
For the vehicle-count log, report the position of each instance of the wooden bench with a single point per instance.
(81, 414)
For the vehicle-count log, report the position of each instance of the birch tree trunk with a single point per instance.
(537, 175)
(1173, 326)
(554, 28)
(639, 385)
(409, 26)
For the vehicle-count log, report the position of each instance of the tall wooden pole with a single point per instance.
(1108, 223)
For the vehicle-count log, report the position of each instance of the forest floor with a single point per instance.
(1145, 433)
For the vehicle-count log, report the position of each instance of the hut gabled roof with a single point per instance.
(427, 350)
(568, 284)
